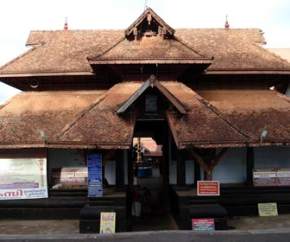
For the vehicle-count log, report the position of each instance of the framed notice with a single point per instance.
(108, 223)
(267, 209)
(95, 175)
(203, 224)
(23, 178)
(208, 188)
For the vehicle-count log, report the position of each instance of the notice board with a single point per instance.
(208, 188)
(23, 178)
(95, 175)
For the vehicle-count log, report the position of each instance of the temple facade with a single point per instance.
(213, 102)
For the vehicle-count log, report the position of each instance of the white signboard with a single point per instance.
(23, 178)
(108, 223)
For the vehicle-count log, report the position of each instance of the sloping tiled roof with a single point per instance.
(31, 119)
(89, 119)
(283, 52)
(253, 111)
(155, 49)
(101, 123)
(203, 125)
(67, 51)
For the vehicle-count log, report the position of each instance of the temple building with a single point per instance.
(213, 103)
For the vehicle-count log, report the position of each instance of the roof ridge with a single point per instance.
(81, 114)
(187, 46)
(107, 50)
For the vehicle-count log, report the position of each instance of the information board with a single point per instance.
(23, 178)
(271, 177)
(267, 209)
(108, 223)
(95, 175)
(208, 188)
(203, 224)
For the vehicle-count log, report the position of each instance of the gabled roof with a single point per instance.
(152, 82)
(143, 17)
(60, 52)
(152, 50)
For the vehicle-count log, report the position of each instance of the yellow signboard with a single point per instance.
(267, 209)
(108, 223)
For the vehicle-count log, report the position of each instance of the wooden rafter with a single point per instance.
(211, 164)
(152, 83)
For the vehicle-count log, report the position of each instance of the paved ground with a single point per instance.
(160, 236)
(57, 227)
(260, 223)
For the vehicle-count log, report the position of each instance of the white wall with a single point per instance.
(232, 168)
(272, 157)
(110, 172)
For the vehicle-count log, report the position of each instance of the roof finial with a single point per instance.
(146, 4)
(227, 25)
(65, 24)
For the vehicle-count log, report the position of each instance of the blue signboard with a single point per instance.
(95, 175)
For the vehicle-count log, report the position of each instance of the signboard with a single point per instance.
(208, 188)
(95, 175)
(267, 209)
(70, 178)
(108, 223)
(23, 178)
(271, 177)
(203, 224)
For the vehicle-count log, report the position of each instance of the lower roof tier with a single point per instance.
(89, 119)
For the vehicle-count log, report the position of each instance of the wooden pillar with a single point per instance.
(130, 169)
(120, 178)
(180, 167)
(250, 165)
(197, 175)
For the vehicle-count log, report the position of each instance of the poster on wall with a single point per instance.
(23, 178)
(95, 175)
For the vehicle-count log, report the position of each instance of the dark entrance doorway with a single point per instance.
(150, 205)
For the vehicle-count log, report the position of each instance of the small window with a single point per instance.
(151, 104)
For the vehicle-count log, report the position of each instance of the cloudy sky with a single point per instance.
(18, 17)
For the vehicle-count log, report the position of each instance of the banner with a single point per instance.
(23, 178)
(95, 175)
(271, 177)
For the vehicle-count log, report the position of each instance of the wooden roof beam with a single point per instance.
(153, 83)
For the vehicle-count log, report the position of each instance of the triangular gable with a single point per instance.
(149, 17)
(152, 83)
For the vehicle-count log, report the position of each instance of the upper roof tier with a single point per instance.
(148, 40)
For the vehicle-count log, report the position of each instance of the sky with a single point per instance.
(18, 17)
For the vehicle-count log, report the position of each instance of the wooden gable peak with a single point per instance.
(152, 82)
(149, 24)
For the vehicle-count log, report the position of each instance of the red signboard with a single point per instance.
(208, 188)
(203, 224)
